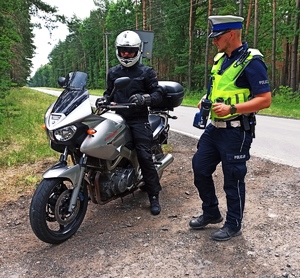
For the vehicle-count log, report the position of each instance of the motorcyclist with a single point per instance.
(144, 91)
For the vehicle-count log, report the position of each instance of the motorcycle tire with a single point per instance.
(49, 217)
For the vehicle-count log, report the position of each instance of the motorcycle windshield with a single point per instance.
(74, 94)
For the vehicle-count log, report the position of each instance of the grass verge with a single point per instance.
(23, 143)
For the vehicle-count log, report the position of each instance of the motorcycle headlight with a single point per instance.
(65, 133)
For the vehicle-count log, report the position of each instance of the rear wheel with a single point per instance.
(50, 219)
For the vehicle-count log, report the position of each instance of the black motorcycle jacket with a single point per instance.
(143, 81)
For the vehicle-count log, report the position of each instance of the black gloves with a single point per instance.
(140, 99)
(101, 101)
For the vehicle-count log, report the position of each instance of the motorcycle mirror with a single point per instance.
(121, 82)
(61, 81)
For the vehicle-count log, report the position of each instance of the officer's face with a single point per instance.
(222, 42)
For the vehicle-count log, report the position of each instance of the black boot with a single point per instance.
(154, 204)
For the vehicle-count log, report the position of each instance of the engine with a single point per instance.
(106, 187)
(121, 180)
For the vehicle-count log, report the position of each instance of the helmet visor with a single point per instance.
(128, 49)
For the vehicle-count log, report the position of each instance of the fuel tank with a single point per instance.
(111, 134)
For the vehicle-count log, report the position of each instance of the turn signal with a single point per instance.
(44, 127)
(91, 131)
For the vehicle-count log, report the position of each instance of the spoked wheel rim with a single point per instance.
(50, 218)
(62, 220)
(62, 214)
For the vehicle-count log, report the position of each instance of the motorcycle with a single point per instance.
(97, 160)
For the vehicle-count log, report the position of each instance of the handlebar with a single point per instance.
(115, 106)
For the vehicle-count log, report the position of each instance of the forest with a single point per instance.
(182, 51)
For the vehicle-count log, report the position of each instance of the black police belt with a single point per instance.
(233, 123)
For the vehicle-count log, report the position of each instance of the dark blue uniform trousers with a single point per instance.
(231, 147)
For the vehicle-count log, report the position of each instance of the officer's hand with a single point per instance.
(101, 101)
(221, 109)
(140, 99)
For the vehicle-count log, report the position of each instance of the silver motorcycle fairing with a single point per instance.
(57, 120)
(70, 172)
(107, 145)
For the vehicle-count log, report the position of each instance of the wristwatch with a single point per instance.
(232, 109)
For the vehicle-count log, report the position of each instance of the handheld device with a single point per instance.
(201, 117)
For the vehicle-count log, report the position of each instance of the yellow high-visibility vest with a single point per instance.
(224, 87)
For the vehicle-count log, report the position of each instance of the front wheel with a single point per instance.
(50, 219)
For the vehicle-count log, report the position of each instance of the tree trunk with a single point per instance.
(255, 23)
(136, 16)
(144, 15)
(189, 83)
(207, 46)
(248, 17)
(274, 47)
(285, 69)
(241, 8)
(294, 50)
(150, 15)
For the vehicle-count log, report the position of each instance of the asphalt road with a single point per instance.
(277, 139)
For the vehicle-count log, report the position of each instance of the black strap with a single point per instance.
(242, 58)
(209, 87)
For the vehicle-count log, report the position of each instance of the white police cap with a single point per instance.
(223, 23)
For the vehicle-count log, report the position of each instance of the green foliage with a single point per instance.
(85, 47)
(283, 107)
(8, 36)
(16, 37)
(43, 77)
(287, 93)
(191, 98)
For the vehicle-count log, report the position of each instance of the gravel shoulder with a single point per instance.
(122, 238)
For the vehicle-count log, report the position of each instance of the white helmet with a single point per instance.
(128, 41)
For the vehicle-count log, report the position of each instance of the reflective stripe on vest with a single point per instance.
(223, 85)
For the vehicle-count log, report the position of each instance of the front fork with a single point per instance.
(78, 184)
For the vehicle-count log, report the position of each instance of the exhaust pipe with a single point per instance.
(163, 163)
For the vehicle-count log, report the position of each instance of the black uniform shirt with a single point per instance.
(254, 76)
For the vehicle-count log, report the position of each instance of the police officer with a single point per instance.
(239, 87)
(144, 91)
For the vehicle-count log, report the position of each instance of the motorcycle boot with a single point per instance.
(154, 204)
